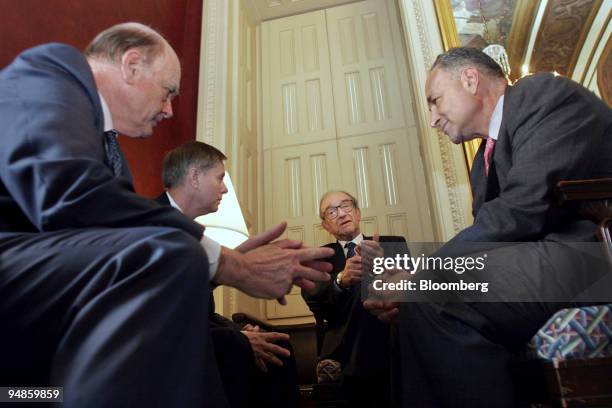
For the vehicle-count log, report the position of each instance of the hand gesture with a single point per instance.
(352, 272)
(370, 249)
(263, 346)
(268, 270)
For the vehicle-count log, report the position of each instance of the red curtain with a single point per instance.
(31, 22)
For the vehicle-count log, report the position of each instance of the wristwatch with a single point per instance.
(338, 279)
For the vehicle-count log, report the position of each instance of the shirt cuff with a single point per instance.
(213, 251)
(337, 288)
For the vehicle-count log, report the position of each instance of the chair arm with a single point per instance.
(593, 197)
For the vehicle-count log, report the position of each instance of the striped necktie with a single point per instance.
(113, 153)
(488, 154)
(350, 246)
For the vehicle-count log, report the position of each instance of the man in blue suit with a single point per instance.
(104, 292)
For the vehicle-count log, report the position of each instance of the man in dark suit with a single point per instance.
(541, 130)
(352, 337)
(255, 365)
(103, 292)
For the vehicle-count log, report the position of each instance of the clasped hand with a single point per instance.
(267, 269)
(362, 261)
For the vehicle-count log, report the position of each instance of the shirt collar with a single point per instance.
(496, 118)
(108, 119)
(357, 240)
(172, 202)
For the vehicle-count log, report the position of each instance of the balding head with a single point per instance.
(138, 74)
(113, 42)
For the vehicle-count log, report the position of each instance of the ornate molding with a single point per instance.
(212, 71)
(564, 29)
(450, 177)
(211, 66)
(523, 19)
(423, 37)
(604, 73)
(446, 23)
(446, 155)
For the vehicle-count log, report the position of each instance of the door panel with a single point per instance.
(355, 138)
(364, 72)
(299, 88)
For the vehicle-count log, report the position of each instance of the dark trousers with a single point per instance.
(245, 384)
(457, 354)
(115, 316)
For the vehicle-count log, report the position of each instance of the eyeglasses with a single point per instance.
(331, 213)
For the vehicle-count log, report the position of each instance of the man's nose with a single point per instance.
(167, 109)
(435, 118)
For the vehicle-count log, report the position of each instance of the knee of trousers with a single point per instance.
(169, 250)
(160, 261)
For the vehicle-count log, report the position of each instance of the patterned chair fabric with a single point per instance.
(584, 332)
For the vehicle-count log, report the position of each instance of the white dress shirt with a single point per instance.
(496, 118)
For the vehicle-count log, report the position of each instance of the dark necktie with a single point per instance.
(488, 153)
(350, 246)
(113, 154)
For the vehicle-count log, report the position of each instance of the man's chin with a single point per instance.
(456, 139)
(349, 231)
(138, 134)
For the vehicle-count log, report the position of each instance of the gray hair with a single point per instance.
(460, 57)
(321, 210)
(178, 161)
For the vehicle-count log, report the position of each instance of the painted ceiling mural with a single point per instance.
(569, 37)
(483, 22)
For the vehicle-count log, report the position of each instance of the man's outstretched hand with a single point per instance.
(267, 269)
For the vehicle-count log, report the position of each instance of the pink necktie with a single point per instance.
(488, 153)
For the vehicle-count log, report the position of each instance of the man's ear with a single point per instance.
(325, 225)
(132, 62)
(193, 174)
(470, 79)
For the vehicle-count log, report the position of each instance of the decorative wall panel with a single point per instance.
(387, 152)
(294, 186)
(362, 170)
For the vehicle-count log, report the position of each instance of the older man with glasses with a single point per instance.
(353, 337)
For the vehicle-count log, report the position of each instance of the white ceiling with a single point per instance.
(262, 10)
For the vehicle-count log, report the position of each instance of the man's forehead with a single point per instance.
(334, 199)
(218, 167)
(171, 66)
(432, 77)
